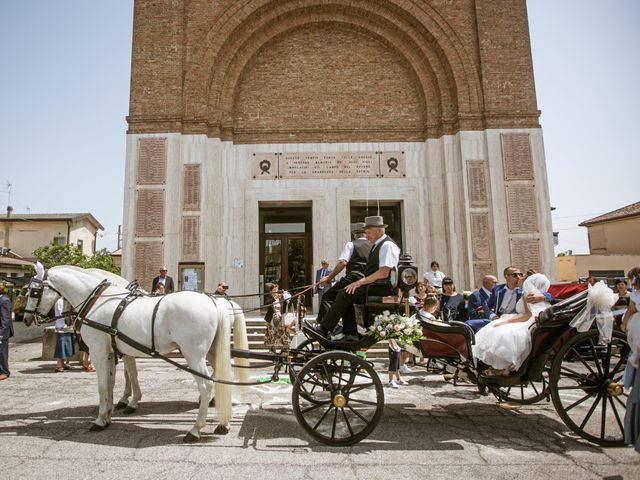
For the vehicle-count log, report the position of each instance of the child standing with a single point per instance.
(394, 364)
(64, 340)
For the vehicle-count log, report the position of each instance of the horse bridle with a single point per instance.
(36, 289)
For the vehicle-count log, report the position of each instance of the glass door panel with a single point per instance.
(272, 261)
(296, 263)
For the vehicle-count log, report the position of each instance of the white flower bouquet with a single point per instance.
(403, 329)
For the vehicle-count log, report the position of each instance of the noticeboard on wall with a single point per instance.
(191, 277)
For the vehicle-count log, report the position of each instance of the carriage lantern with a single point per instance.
(407, 274)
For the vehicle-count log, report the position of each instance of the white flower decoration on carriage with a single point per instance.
(404, 330)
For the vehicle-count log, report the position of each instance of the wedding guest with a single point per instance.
(64, 340)
(452, 305)
(434, 276)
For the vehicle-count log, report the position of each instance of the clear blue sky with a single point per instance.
(64, 95)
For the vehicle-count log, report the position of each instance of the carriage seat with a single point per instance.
(446, 340)
(374, 305)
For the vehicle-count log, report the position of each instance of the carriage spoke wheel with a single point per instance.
(525, 394)
(338, 398)
(528, 393)
(307, 347)
(586, 387)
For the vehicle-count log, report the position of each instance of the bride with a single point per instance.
(505, 343)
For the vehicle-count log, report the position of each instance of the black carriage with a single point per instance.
(338, 398)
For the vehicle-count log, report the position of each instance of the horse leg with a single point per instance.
(111, 386)
(211, 359)
(104, 368)
(205, 387)
(124, 400)
(131, 372)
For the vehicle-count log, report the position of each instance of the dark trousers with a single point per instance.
(477, 323)
(4, 356)
(394, 360)
(330, 294)
(343, 307)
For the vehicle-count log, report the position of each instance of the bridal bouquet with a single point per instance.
(404, 330)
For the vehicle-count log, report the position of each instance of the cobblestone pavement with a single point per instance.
(429, 429)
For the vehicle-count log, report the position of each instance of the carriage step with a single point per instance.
(252, 354)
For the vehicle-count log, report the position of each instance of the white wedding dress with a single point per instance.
(507, 346)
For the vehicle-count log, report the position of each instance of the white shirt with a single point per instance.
(508, 304)
(434, 278)
(346, 253)
(389, 253)
(58, 308)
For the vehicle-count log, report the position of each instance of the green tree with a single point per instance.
(102, 259)
(53, 255)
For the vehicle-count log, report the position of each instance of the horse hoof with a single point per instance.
(190, 438)
(97, 428)
(121, 405)
(212, 403)
(129, 410)
(222, 430)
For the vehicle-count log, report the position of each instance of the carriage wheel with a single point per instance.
(308, 346)
(586, 387)
(338, 398)
(527, 393)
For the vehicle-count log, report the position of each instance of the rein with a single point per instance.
(307, 288)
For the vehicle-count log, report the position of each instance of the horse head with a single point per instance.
(40, 299)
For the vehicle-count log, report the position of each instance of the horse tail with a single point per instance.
(222, 367)
(241, 342)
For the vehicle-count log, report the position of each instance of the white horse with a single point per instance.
(188, 320)
(132, 393)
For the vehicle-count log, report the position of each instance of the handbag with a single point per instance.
(289, 318)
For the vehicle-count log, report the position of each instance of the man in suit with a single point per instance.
(504, 297)
(6, 331)
(321, 273)
(478, 299)
(163, 279)
(383, 258)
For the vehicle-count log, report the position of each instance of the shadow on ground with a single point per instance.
(404, 426)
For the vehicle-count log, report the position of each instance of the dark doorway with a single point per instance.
(285, 247)
(390, 211)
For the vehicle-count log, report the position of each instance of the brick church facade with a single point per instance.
(259, 130)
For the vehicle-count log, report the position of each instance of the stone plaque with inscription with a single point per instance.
(329, 165)
(265, 166)
(190, 238)
(150, 213)
(477, 183)
(152, 161)
(516, 156)
(521, 209)
(525, 254)
(480, 236)
(191, 188)
(148, 259)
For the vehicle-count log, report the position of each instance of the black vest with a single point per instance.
(358, 260)
(373, 262)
